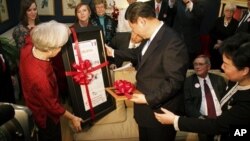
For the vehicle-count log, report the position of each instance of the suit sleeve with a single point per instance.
(190, 105)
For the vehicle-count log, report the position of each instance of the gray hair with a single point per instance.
(205, 57)
(49, 35)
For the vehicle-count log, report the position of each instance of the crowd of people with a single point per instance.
(161, 38)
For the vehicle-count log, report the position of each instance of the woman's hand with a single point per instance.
(166, 118)
(76, 122)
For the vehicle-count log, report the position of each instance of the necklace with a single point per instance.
(40, 57)
(226, 22)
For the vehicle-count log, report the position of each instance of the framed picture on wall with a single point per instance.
(4, 15)
(68, 7)
(46, 7)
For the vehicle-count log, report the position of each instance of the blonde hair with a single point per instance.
(49, 35)
(230, 6)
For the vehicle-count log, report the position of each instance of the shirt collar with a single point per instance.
(156, 31)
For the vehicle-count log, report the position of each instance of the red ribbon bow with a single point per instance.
(83, 75)
(123, 87)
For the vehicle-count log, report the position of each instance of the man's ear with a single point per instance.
(246, 71)
(141, 21)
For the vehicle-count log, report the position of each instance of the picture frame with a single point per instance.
(46, 7)
(4, 15)
(68, 7)
(103, 103)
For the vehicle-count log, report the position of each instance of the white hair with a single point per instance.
(50, 35)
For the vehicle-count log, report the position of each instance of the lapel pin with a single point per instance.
(197, 85)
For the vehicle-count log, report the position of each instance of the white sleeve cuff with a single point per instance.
(113, 53)
(176, 121)
(190, 6)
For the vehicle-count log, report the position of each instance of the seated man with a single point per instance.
(123, 41)
(203, 92)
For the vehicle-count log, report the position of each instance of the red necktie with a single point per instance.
(2, 64)
(210, 102)
(157, 9)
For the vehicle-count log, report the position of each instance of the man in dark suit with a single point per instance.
(123, 41)
(244, 24)
(162, 65)
(187, 22)
(194, 91)
(164, 10)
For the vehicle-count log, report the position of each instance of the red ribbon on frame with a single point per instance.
(83, 74)
(123, 87)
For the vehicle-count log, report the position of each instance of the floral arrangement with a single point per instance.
(115, 12)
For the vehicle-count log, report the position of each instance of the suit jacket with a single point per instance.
(188, 24)
(235, 112)
(166, 14)
(244, 26)
(121, 42)
(160, 75)
(193, 95)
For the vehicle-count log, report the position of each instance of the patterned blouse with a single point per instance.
(19, 34)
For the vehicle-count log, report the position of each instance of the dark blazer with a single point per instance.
(188, 24)
(244, 26)
(166, 14)
(160, 75)
(121, 42)
(193, 95)
(235, 112)
(220, 32)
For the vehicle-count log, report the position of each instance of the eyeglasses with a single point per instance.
(199, 64)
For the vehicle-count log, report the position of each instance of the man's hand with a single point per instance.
(138, 98)
(109, 50)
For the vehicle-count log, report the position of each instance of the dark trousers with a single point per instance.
(205, 137)
(52, 132)
(163, 133)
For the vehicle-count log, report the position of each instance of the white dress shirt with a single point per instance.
(151, 38)
(203, 108)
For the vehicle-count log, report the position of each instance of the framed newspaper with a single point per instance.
(89, 98)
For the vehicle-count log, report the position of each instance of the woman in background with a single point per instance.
(235, 104)
(105, 22)
(82, 14)
(225, 26)
(40, 87)
(28, 20)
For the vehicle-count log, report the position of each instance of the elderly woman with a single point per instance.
(235, 104)
(224, 27)
(105, 22)
(38, 79)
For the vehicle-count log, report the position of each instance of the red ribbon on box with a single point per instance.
(123, 87)
(83, 75)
